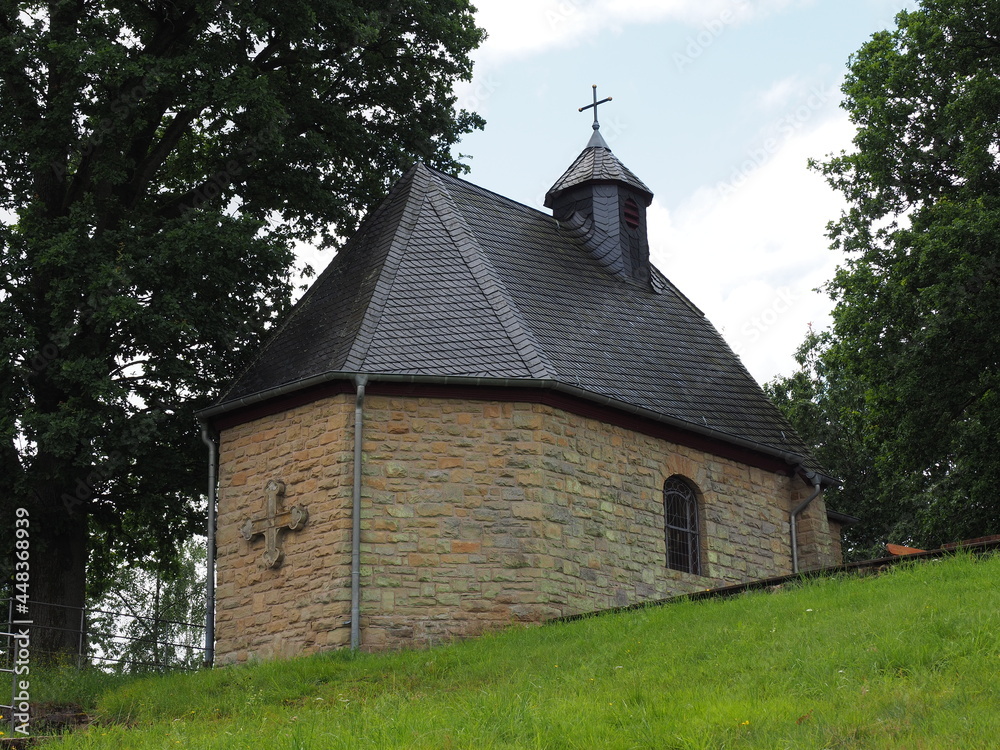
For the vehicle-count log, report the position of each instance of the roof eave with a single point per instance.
(794, 460)
(842, 518)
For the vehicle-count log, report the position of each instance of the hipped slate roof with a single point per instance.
(448, 279)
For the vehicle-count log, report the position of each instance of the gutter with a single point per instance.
(213, 464)
(817, 488)
(842, 518)
(792, 459)
(359, 406)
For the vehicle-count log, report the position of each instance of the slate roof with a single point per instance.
(447, 279)
(596, 163)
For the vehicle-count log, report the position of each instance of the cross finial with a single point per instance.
(597, 125)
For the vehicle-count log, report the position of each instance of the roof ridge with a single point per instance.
(387, 275)
(664, 280)
(786, 444)
(486, 276)
(444, 177)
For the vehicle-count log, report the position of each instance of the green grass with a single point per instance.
(65, 684)
(908, 659)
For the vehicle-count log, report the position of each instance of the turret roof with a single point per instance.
(596, 163)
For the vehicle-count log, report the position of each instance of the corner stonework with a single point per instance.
(303, 604)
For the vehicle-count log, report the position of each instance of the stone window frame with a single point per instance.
(684, 555)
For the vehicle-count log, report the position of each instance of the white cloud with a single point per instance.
(518, 28)
(750, 254)
(780, 93)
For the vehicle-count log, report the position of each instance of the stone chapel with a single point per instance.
(483, 414)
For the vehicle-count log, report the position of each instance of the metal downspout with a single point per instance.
(359, 405)
(817, 488)
(213, 462)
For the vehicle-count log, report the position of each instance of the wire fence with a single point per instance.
(105, 639)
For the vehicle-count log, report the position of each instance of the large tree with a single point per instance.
(915, 345)
(830, 413)
(158, 160)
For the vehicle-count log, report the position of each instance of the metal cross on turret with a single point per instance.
(273, 521)
(597, 125)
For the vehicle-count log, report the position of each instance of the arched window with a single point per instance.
(680, 514)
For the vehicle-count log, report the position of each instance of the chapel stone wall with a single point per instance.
(818, 538)
(303, 605)
(836, 543)
(475, 514)
(480, 514)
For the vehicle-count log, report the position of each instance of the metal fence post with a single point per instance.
(10, 649)
(83, 624)
(163, 657)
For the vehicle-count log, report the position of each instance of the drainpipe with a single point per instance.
(359, 405)
(213, 463)
(817, 488)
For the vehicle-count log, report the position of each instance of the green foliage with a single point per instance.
(157, 161)
(152, 617)
(914, 350)
(830, 414)
(905, 659)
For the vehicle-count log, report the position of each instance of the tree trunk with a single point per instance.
(58, 582)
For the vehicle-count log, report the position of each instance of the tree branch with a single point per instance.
(146, 168)
(168, 32)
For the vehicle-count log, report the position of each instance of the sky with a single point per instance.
(717, 107)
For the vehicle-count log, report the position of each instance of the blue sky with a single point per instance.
(717, 105)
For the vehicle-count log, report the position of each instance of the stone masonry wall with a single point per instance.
(818, 537)
(836, 544)
(296, 608)
(475, 515)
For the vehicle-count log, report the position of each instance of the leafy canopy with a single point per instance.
(157, 161)
(908, 387)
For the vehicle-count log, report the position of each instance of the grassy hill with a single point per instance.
(909, 659)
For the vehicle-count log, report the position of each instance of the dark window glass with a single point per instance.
(680, 512)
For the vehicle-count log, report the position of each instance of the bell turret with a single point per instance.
(604, 203)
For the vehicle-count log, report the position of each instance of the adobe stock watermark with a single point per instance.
(754, 328)
(86, 488)
(710, 31)
(562, 12)
(482, 90)
(121, 107)
(20, 625)
(216, 183)
(51, 351)
(784, 128)
(985, 278)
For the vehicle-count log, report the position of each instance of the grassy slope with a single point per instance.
(905, 660)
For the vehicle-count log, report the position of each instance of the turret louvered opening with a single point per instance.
(631, 211)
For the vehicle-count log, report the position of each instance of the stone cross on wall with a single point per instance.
(273, 521)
